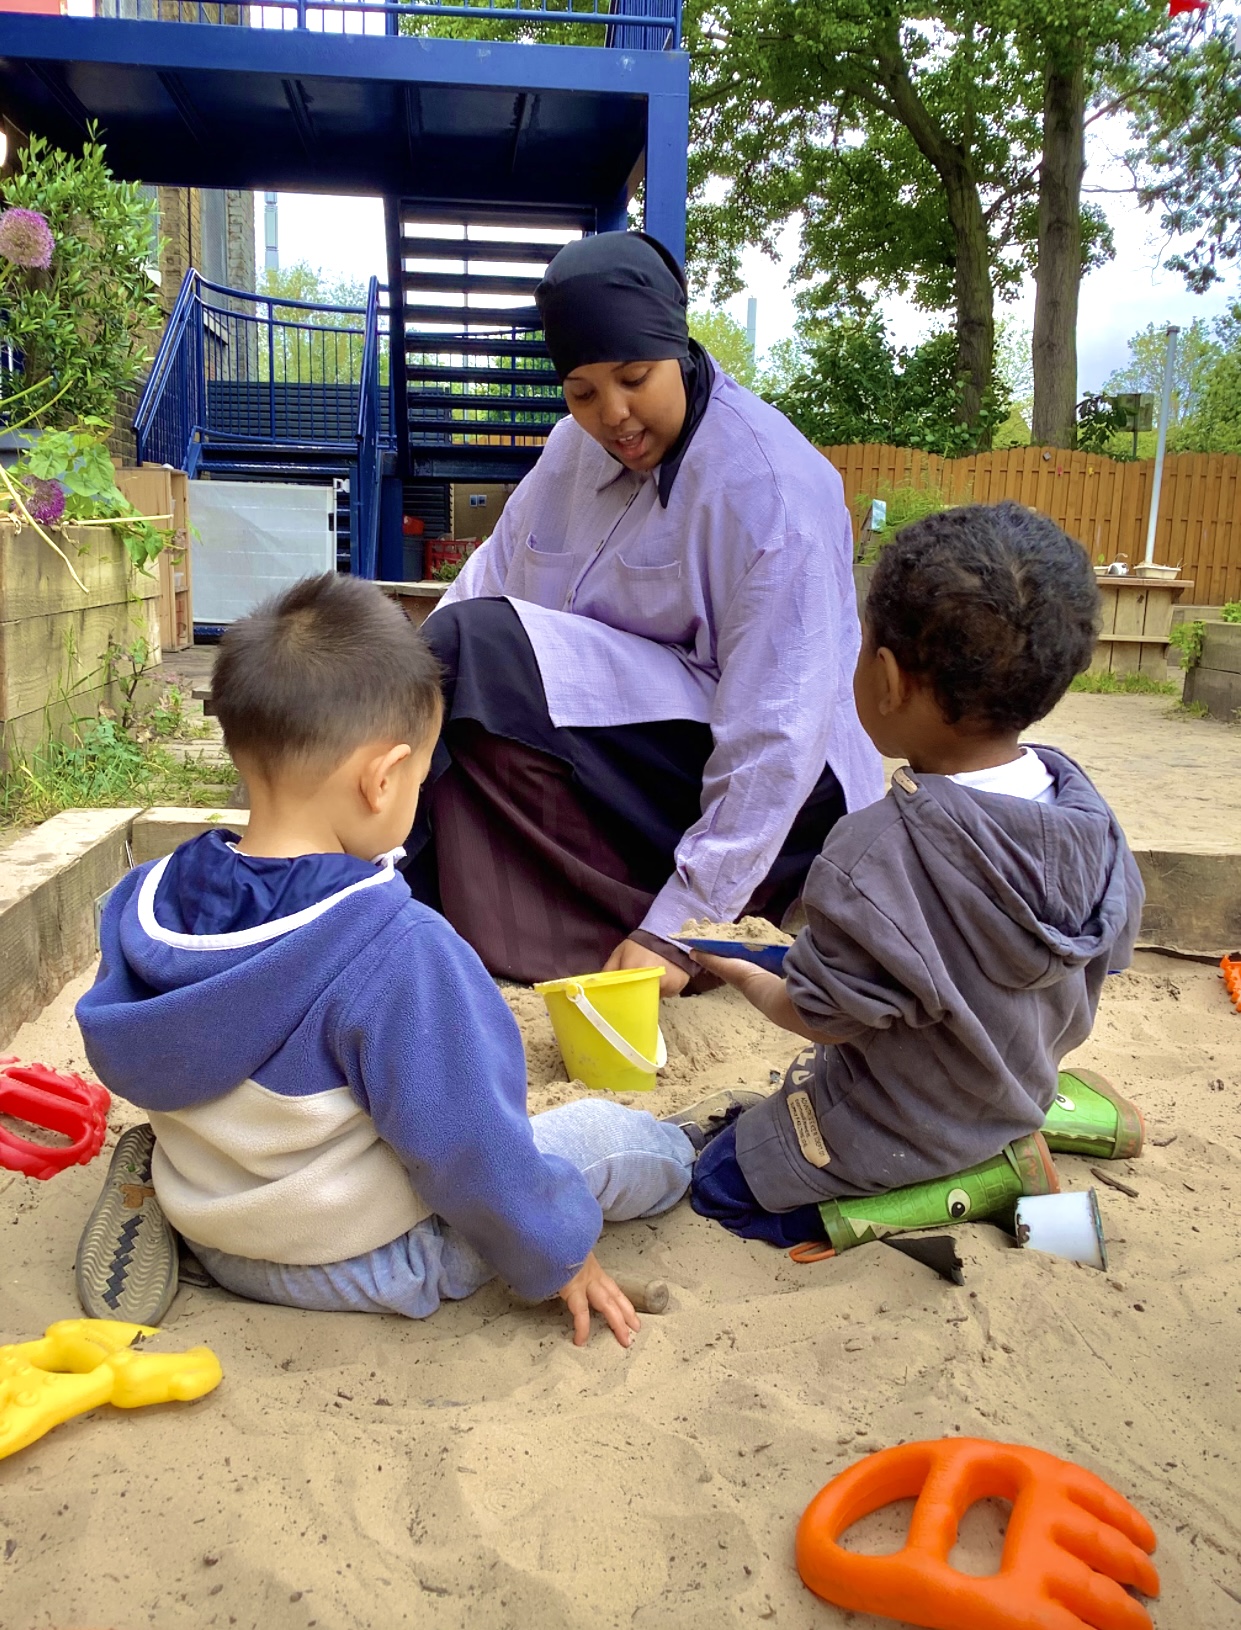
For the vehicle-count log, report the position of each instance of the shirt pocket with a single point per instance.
(542, 576)
(654, 600)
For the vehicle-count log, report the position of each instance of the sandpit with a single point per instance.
(476, 1470)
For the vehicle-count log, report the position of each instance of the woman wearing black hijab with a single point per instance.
(648, 666)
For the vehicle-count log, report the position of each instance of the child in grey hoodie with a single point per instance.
(958, 931)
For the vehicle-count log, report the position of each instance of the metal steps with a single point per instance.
(478, 390)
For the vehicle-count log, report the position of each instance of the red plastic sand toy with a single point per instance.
(57, 1102)
(1072, 1542)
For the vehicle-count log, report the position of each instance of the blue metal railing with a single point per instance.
(364, 507)
(247, 370)
(172, 406)
(651, 25)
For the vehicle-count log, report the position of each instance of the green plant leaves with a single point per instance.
(88, 321)
(78, 459)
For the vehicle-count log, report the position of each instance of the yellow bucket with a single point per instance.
(607, 1025)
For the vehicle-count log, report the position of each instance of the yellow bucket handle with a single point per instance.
(592, 1015)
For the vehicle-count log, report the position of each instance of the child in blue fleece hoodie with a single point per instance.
(336, 1087)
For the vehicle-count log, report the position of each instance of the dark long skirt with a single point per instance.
(544, 847)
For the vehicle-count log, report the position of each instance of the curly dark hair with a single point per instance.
(992, 606)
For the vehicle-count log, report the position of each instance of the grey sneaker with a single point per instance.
(707, 1119)
(127, 1256)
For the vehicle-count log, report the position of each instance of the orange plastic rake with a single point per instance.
(1230, 968)
(1072, 1543)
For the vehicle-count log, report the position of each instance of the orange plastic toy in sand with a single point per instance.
(1072, 1542)
(1230, 967)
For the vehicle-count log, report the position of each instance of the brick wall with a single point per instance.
(240, 218)
(180, 228)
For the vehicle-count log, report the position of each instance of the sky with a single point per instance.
(344, 238)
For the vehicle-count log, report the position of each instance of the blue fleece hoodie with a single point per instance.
(325, 1063)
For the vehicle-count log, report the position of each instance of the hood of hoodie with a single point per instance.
(196, 942)
(1038, 889)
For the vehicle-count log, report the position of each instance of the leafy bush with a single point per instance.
(81, 322)
(910, 501)
(1231, 612)
(1187, 639)
(842, 381)
(77, 465)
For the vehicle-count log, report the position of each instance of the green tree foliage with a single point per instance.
(842, 380)
(490, 28)
(934, 153)
(727, 342)
(1215, 423)
(311, 347)
(1197, 352)
(1188, 121)
(83, 324)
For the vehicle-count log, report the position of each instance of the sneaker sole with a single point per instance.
(127, 1256)
(1130, 1127)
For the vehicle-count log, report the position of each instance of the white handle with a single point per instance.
(589, 1012)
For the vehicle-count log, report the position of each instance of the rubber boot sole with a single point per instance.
(127, 1256)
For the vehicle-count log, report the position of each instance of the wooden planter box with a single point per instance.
(1136, 622)
(154, 489)
(1215, 680)
(416, 600)
(53, 638)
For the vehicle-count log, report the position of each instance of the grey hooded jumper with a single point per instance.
(957, 942)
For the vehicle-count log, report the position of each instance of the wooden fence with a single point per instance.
(1100, 501)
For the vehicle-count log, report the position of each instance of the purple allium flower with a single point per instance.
(45, 500)
(26, 238)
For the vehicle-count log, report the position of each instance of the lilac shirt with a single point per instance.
(734, 606)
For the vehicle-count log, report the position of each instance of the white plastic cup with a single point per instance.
(1065, 1225)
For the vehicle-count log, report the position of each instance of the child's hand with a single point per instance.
(744, 976)
(591, 1287)
(765, 991)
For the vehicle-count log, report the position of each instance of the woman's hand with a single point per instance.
(765, 991)
(629, 954)
(591, 1287)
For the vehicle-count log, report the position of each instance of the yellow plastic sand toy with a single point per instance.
(82, 1363)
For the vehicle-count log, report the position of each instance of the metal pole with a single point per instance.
(1165, 408)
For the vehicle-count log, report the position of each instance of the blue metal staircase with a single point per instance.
(478, 387)
(487, 151)
(250, 387)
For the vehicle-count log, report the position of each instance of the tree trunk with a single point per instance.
(975, 311)
(975, 306)
(1058, 278)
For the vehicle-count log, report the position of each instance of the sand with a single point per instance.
(477, 1470)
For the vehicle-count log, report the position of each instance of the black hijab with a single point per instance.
(621, 297)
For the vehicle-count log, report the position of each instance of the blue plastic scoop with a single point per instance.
(770, 957)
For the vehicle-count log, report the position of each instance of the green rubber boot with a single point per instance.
(1089, 1117)
(1024, 1167)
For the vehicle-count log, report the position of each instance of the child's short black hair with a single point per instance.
(992, 606)
(320, 670)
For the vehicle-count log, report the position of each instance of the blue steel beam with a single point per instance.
(463, 64)
(519, 123)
